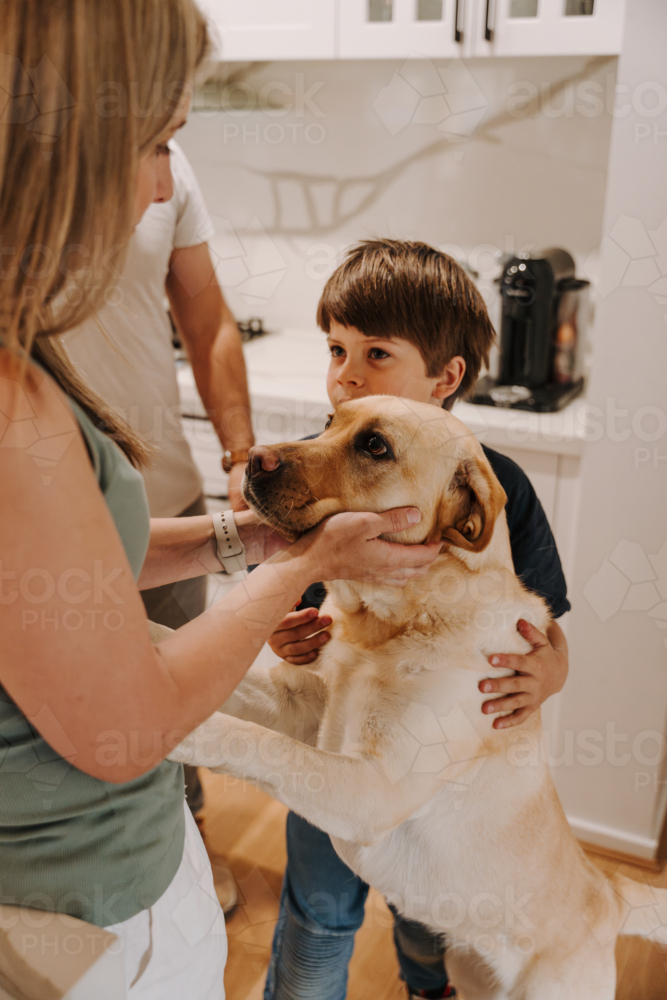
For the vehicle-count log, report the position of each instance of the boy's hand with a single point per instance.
(539, 674)
(294, 641)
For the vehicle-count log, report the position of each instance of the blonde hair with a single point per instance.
(93, 85)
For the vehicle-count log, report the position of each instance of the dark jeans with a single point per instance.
(321, 908)
(173, 605)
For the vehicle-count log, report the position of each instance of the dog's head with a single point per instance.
(377, 453)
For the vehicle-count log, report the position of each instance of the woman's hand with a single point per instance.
(347, 547)
(260, 540)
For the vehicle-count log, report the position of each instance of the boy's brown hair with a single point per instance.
(401, 288)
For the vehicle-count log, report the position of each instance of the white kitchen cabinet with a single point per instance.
(546, 27)
(250, 30)
(398, 29)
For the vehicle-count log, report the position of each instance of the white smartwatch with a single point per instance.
(230, 548)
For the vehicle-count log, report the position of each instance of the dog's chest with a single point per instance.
(354, 697)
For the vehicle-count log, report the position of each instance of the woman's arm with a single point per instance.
(75, 652)
(184, 547)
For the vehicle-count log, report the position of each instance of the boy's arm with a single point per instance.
(543, 671)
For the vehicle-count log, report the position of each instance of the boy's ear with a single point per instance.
(450, 379)
(469, 509)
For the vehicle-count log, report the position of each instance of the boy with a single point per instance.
(403, 319)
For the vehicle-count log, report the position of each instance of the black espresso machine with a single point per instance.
(544, 314)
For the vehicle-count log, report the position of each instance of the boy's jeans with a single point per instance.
(321, 908)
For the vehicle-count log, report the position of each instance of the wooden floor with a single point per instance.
(247, 828)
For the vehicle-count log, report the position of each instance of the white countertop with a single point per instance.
(286, 377)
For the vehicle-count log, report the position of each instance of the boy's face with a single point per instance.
(390, 366)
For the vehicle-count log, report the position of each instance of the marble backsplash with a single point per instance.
(488, 156)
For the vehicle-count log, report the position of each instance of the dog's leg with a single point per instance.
(287, 699)
(589, 974)
(472, 975)
(354, 798)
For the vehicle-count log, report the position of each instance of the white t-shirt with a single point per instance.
(125, 352)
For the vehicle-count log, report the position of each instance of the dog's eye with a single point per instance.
(376, 446)
(373, 444)
(328, 423)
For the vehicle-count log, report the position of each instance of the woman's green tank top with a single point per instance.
(69, 842)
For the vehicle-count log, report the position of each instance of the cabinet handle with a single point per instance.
(488, 30)
(458, 34)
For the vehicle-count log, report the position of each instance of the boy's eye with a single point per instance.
(336, 351)
(162, 150)
(376, 353)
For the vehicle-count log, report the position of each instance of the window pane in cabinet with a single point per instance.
(380, 10)
(429, 10)
(577, 8)
(523, 8)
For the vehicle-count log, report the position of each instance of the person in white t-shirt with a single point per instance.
(127, 356)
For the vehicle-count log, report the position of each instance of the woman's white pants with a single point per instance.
(178, 948)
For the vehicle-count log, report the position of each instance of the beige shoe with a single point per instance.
(225, 886)
(223, 880)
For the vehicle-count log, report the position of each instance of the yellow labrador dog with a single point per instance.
(381, 742)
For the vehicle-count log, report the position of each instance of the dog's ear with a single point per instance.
(473, 501)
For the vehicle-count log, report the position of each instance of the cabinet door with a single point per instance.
(547, 27)
(398, 29)
(266, 29)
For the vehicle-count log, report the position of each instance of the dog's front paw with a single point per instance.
(205, 745)
(184, 752)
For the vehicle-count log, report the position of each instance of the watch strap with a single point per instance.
(232, 458)
(230, 548)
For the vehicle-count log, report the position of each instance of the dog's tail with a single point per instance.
(643, 908)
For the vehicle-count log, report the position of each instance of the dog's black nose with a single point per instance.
(262, 460)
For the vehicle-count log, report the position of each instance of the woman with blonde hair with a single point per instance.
(92, 818)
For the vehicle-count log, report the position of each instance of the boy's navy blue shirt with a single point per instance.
(534, 553)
